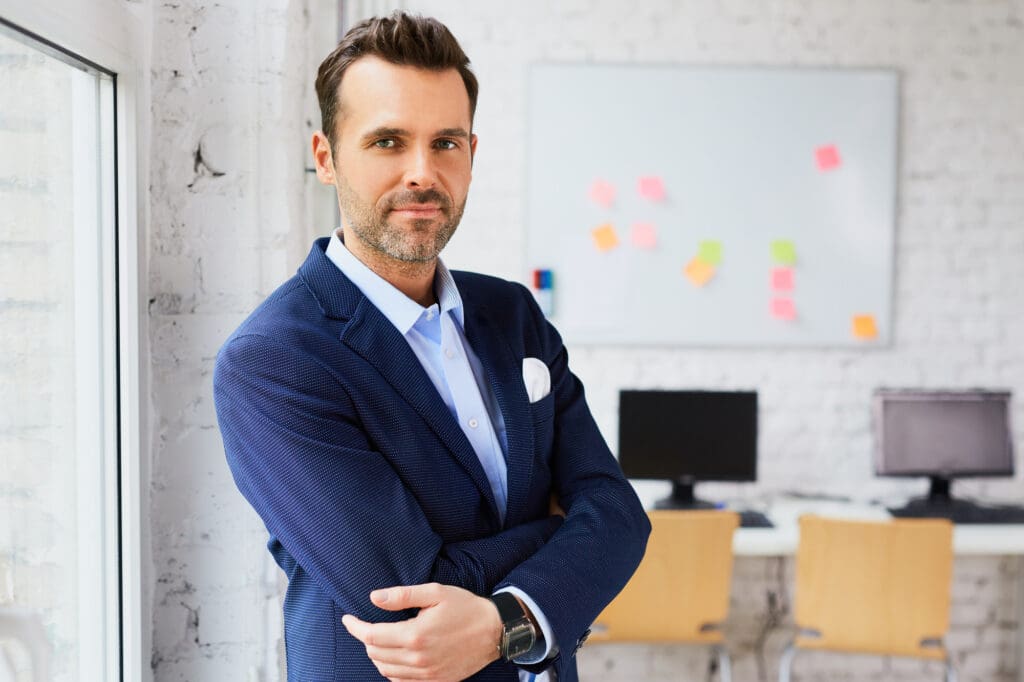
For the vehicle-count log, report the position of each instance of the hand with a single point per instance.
(554, 508)
(454, 635)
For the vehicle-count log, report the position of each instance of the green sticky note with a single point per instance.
(710, 252)
(783, 252)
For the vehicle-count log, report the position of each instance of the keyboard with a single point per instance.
(963, 513)
(753, 519)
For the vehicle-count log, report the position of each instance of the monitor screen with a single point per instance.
(692, 435)
(942, 433)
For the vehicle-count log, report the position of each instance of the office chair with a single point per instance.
(873, 587)
(680, 592)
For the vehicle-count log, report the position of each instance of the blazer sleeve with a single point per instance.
(299, 457)
(591, 557)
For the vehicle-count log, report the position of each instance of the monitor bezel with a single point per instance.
(883, 395)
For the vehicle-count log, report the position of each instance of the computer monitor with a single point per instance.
(942, 435)
(686, 437)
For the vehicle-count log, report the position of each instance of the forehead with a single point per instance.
(376, 93)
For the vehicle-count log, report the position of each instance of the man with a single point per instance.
(433, 482)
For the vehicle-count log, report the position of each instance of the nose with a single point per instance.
(421, 172)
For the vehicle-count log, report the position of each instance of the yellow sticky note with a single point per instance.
(699, 272)
(783, 252)
(710, 252)
(605, 238)
(864, 327)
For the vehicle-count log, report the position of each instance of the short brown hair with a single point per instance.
(400, 38)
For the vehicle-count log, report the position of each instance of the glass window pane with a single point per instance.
(57, 415)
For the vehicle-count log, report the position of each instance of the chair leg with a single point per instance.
(724, 664)
(950, 671)
(786, 662)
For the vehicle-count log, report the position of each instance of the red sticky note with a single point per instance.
(782, 279)
(783, 309)
(643, 235)
(651, 187)
(827, 157)
(602, 193)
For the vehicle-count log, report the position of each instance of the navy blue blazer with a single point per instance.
(339, 440)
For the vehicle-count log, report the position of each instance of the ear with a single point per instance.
(472, 147)
(323, 159)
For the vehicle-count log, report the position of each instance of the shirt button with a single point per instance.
(473, 423)
(430, 315)
(449, 353)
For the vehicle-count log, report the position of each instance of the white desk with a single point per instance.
(968, 540)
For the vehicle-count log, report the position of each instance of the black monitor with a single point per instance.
(942, 435)
(686, 437)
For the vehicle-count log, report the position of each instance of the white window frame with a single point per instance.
(110, 33)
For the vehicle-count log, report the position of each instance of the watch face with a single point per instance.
(519, 638)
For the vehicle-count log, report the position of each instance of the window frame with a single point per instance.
(109, 35)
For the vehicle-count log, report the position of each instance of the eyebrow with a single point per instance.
(384, 131)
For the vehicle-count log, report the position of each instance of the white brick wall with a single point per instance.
(232, 80)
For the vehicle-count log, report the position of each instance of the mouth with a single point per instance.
(417, 210)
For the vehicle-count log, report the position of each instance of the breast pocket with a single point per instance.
(543, 413)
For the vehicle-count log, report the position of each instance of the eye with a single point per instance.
(447, 143)
(385, 143)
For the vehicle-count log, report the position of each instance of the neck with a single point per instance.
(415, 280)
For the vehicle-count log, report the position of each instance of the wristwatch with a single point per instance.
(518, 633)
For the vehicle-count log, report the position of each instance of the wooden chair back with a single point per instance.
(680, 592)
(874, 587)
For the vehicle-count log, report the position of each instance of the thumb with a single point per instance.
(407, 596)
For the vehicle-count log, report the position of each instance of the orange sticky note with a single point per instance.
(782, 279)
(651, 187)
(783, 309)
(864, 327)
(602, 193)
(605, 238)
(699, 272)
(827, 157)
(643, 235)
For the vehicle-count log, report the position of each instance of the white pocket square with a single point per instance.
(537, 379)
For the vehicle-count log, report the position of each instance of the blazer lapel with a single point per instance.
(369, 334)
(505, 374)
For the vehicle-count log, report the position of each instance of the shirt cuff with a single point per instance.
(550, 647)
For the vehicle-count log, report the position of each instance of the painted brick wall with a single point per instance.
(230, 122)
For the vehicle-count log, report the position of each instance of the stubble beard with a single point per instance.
(370, 223)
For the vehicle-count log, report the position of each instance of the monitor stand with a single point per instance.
(940, 504)
(682, 497)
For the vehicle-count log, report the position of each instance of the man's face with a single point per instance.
(402, 158)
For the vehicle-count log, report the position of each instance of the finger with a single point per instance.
(384, 635)
(407, 596)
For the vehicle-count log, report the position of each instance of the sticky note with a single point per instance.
(827, 157)
(783, 309)
(782, 279)
(643, 235)
(783, 252)
(710, 252)
(602, 193)
(651, 187)
(699, 272)
(864, 327)
(605, 238)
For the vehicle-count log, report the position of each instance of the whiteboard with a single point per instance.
(790, 172)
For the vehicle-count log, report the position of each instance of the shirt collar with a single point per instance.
(401, 311)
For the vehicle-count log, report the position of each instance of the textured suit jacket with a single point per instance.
(339, 440)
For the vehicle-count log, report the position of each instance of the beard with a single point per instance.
(419, 242)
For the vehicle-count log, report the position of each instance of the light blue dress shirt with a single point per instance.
(436, 335)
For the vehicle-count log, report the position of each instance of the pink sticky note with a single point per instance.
(783, 309)
(827, 157)
(643, 235)
(651, 187)
(782, 279)
(602, 193)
